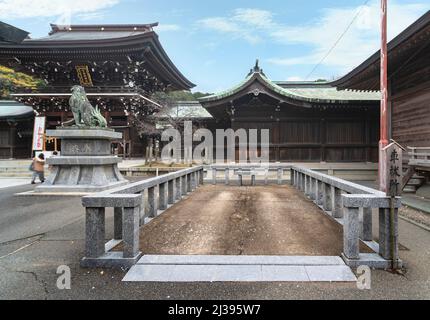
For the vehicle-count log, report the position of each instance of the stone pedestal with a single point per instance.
(86, 164)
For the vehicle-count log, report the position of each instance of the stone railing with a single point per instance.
(254, 171)
(351, 204)
(134, 205)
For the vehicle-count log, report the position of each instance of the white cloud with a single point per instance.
(63, 9)
(254, 17)
(240, 24)
(359, 42)
(168, 27)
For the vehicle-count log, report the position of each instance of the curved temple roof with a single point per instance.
(306, 93)
(83, 42)
(11, 110)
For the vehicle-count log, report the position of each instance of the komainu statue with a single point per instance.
(84, 114)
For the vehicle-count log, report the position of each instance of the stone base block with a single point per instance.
(78, 188)
(371, 260)
(113, 260)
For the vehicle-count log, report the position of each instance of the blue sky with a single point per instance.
(215, 43)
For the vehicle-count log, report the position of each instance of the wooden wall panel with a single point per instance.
(411, 118)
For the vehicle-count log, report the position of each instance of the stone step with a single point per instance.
(410, 189)
(239, 269)
(241, 260)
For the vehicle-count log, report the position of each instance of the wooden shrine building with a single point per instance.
(408, 94)
(308, 121)
(120, 66)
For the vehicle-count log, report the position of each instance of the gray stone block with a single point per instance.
(95, 232)
(327, 203)
(371, 260)
(84, 133)
(351, 233)
(320, 193)
(162, 197)
(117, 223)
(114, 260)
(171, 192)
(178, 189)
(131, 224)
(330, 274)
(112, 200)
(369, 201)
(336, 197)
(366, 230)
(152, 204)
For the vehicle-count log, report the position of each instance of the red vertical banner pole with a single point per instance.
(384, 139)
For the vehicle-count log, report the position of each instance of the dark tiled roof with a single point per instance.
(10, 110)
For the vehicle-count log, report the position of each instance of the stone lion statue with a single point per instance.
(84, 114)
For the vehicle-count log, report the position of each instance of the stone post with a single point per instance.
(117, 223)
(201, 177)
(351, 234)
(189, 183)
(327, 204)
(280, 174)
(152, 205)
(336, 198)
(178, 194)
(320, 193)
(171, 192)
(95, 232)
(385, 249)
(296, 179)
(292, 174)
(214, 172)
(308, 185)
(131, 232)
(184, 185)
(162, 199)
(227, 176)
(366, 233)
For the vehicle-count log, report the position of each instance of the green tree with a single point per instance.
(12, 81)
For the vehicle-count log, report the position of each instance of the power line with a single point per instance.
(339, 39)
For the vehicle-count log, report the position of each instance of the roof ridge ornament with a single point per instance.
(256, 69)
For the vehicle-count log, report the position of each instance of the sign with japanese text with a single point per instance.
(84, 76)
(38, 133)
(393, 170)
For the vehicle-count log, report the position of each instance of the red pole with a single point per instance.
(384, 101)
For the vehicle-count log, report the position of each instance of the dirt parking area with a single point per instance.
(222, 220)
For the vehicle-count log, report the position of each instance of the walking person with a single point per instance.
(38, 168)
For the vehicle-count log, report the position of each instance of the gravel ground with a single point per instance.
(266, 220)
(415, 215)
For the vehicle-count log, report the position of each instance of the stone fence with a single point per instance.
(352, 205)
(237, 171)
(134, 205)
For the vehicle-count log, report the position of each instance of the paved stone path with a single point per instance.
(153, 268)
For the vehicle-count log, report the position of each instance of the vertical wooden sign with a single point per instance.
(393, 155)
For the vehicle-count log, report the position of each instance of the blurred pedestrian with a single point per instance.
(38, 168)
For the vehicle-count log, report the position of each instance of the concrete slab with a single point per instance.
(239, 273)
(284, 274)
(330, 274)
(241, 260)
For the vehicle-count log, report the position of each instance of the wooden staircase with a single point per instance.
(417, 169)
